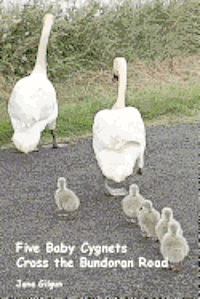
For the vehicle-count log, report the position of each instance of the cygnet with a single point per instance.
(66, 200)
(162, 226)
(148, 217)
(174, 246)
(132, 203)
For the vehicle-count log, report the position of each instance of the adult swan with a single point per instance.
(33, 105)
(119, 137)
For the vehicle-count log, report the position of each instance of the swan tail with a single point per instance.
(26, 141)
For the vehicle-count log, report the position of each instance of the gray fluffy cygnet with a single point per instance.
(162, 226)
(148, 217)
(174, 246)
(132, 203)
(66, 199)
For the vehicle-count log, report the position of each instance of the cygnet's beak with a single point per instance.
(115, 78)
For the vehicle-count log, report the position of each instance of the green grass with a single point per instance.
(172, 99)
(79, 103)
(76, 118)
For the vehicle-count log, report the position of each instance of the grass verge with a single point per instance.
(163, 96)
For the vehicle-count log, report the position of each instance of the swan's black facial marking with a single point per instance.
(115, 78)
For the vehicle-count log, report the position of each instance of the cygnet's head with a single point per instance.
(61, 182)
(133, 189)
(173, 227)
(147, 204)
(167, 213)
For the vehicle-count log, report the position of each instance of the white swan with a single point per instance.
(132, 203)
(119, 137)
(162, 225)
(174, 246)
(66, 199)
(32, 105)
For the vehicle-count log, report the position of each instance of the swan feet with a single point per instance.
(130, 220)
(115, 191)
(53, 133)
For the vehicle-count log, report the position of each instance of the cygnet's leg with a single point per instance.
(144, 235)
(175, 267)
(142, 229)
(61, 214)
(53, 133)
(130, 220)
(72, 215)
(143, 232)
(115, 191)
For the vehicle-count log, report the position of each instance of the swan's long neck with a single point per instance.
(40, 65)
(120, 103)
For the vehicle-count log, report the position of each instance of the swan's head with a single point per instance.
(61, 183)
(133, 189)
(48, 19)
(119, 63)
(173, 227)
(167, 213)
(147, 204)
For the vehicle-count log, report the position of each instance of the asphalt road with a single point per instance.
(29, 222)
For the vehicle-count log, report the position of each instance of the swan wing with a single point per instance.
(33, 99)
(114, 128)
